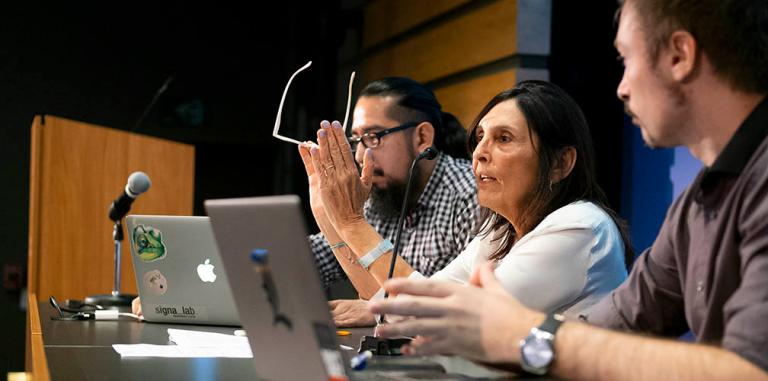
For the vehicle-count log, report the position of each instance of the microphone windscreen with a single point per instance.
(138, 183)
(430, 153)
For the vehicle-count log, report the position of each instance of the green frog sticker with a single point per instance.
(148, 243)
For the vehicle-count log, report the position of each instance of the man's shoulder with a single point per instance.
(758, 162)
(753, 188)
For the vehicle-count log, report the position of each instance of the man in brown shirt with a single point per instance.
(708, 268)
(696, 74)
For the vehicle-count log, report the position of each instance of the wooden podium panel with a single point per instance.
(36, 363)
(76, 171)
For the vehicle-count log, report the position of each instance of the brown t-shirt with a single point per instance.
(708, 268)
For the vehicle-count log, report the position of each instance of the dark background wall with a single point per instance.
(103, 65)
(229, 63)
(640, 182)
(583, 62)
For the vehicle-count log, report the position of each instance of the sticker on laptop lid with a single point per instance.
(155, 282)
(148, 243)
(260, 258)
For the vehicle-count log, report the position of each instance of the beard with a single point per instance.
(387, 202)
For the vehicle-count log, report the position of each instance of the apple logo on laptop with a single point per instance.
(205, 271)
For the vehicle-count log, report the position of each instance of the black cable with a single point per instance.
(94, 312)
(75, 314)
(429, 154)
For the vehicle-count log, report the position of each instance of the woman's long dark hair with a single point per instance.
(555, 118)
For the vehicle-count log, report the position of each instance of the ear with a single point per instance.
(681, 55)
(564, 165)
(423, 136)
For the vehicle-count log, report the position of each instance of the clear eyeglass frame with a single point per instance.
(276, 129)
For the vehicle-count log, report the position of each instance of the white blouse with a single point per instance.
(573, 258)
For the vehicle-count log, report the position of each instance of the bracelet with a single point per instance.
(382, 248)
(338, 245)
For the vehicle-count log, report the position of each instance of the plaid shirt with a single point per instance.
(436, 230)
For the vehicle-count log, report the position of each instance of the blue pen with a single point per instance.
(360, 361)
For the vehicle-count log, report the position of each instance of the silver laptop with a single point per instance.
(178, 271)
(282, 306)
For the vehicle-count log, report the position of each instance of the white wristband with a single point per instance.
(382, 248)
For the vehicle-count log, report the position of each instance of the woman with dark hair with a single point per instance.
(555, 245)
(557, 129)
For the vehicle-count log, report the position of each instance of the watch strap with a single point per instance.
(551, 323)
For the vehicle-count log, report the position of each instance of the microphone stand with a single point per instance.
(114, 299)
(379, 345)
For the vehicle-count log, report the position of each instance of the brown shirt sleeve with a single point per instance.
(651, 299)
(746, 311)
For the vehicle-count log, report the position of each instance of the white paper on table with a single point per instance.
(186, 337)
(191, 344)
(152, 350)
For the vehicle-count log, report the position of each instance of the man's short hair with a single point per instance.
(733, 34)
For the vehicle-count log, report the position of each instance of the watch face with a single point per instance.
(537, 352)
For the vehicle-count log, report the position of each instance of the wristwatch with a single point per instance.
(537, 350)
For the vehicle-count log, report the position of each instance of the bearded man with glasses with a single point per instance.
(398, 118)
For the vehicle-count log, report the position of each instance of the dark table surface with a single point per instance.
(82, 350)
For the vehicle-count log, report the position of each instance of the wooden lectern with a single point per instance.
(76, 171)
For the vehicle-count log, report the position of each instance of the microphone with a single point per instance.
(430, 154)
(138, 183)
(375, 344)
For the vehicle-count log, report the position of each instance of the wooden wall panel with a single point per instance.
(77, 170)
(484, 35)
(467, 52)
(388, 18)
(465, 99)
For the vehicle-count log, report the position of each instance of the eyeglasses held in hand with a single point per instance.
(276, 130)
